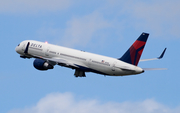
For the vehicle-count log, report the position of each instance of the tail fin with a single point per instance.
(133, 54)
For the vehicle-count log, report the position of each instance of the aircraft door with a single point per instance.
(113, 66)
(47, 51)
(89, 62)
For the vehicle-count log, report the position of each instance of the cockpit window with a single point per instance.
(18, 44)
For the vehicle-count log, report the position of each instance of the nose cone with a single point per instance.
(17, 49)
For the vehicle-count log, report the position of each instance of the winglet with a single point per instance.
(161, 56)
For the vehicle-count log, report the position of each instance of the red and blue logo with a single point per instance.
(133, 54)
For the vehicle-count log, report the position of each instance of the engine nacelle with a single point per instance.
(42, 64)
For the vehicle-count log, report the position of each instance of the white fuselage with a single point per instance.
(101, 64)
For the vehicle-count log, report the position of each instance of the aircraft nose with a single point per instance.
(17, 49)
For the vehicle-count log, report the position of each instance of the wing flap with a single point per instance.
(61, 62)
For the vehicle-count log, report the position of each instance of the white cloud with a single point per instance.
(158, 16)
(161, 16)
(80, 30)
(50, 34)
(33, 6)
(66, 103)
(114, 17)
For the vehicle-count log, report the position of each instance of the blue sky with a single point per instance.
(103, 27)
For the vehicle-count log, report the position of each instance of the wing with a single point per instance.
(57, 61)
(160, 57)
(60, 62)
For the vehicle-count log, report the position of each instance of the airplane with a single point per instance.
(48, 55)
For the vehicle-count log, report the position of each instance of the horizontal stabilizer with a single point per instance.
(149, 69)
(160, 57)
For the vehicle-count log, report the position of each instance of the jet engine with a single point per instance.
(41, 64)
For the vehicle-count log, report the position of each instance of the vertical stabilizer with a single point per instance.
(133, 54)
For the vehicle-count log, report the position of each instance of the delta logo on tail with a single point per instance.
(133, 54)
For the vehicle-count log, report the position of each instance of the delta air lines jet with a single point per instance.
(48, 55)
